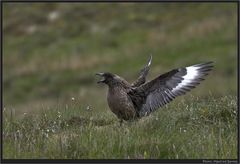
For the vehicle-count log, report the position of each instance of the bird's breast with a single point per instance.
(121, 104)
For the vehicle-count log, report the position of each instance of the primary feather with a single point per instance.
(168, 86)
(143, 74)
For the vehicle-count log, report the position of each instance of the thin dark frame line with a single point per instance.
(111, 160)
(104, 160)
(119, 1)
(238, 50)
(1, 8)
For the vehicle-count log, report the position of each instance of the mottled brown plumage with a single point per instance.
(130, 101)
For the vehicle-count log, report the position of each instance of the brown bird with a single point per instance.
(131, 101)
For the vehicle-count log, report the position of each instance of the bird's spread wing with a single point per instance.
(163, 89)
(143, 74)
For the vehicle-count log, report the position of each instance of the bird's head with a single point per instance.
(106, 78)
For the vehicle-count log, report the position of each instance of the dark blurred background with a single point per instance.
(51, 51)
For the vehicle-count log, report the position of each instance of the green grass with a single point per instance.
(64, 54)
(48, 62)
(189, 129)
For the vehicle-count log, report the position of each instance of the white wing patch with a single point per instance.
(192, 73)
(150, 61)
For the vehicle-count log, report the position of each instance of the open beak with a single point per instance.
(103, 78)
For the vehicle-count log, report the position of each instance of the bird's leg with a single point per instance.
(121, 121)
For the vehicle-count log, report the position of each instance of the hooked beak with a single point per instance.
(103, 78)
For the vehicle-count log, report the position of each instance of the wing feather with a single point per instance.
(168, 86)
(143, 74)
